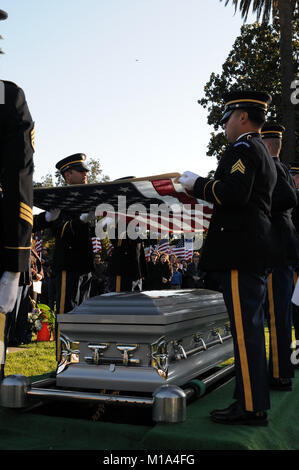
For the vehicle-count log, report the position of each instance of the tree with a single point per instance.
(95, 174)
(46, 182)
(253, 63)
(287, 11)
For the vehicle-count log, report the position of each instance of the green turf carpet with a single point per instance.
(67, 429)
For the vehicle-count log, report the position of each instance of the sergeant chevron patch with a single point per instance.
(238, 166)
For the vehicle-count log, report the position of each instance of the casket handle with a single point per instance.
(126, 350)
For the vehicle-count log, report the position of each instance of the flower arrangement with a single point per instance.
(47, 315)
(34, 320)
(40, 314)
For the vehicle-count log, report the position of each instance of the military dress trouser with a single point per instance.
(72, 288)
(2, 344)
(295, 309)
(244, 296)
(278, 311)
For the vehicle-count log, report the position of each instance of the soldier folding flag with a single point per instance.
(159, 202)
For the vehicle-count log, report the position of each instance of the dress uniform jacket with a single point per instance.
(284, 200)
(240, 235)
(16, 197)
(17, 148)
(278, 307)
(73, 246)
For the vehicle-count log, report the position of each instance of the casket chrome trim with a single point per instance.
(67, 353)
(126, 351)
(97, 352)
(159, 355)
(179, 350)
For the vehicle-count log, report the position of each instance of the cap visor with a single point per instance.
(3, 15)
(226, 116)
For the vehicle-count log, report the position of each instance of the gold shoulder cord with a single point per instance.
(204, 189)
(213, 191)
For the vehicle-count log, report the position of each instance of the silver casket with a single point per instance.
(139, 341)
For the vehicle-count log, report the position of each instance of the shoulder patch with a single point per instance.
(241, 143)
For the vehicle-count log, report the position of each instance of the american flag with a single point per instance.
(147, 252)
(110, 249)
(158, 202)
(163, 246)
(188, 249)
(38, 245)
(96, 244)
(179, 249)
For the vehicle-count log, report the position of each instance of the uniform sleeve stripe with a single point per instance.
(27, 219)
(63, 229)
(26, 213)
(25, 207)
(213, 191)
(204, 189)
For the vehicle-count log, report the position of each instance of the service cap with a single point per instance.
(75, 162)
(3, 15)
(272, 131)
(294, 168)
(245, 100)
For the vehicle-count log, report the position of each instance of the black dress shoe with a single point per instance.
(238, 416)
(281, 384)
(224, 411)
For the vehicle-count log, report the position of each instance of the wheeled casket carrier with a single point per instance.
(150, 347)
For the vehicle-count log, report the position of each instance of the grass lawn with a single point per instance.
(35, 358)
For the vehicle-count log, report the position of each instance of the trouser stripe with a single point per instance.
(61, 310)
(241, 340)
(2, 343)
(273, 333)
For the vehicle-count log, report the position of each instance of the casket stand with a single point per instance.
(151, 347)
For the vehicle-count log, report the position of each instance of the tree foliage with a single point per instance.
(262, 8)
(253, 63)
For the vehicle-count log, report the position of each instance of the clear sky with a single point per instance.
(118, 79)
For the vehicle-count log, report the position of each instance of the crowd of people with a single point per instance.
(172, 272)
(250, 250)
(162, 271)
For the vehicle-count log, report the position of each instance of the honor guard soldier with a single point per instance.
(73, 253)
(16, 197)
(294, 170)
(278, 306)
(241, 245)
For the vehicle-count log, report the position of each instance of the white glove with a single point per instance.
(52, 215)
(86, 217)
(187, 179)
(9, 284)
